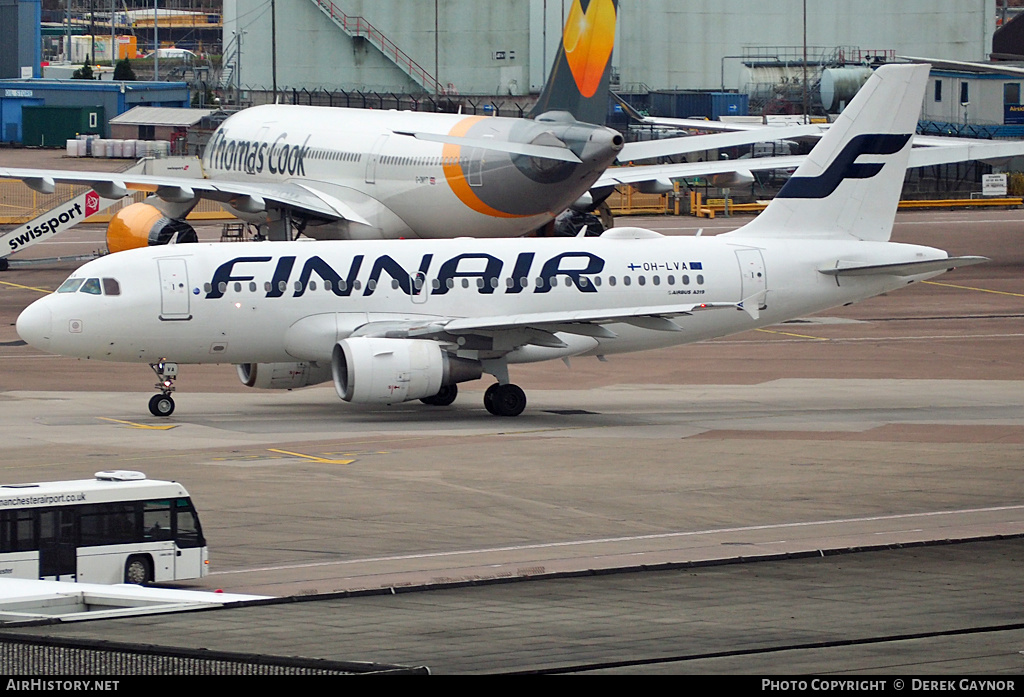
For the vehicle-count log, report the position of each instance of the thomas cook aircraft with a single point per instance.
(397, 320)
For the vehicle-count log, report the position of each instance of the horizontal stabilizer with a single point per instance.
(910, 268)
(546, 152)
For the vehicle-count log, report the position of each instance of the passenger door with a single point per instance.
(752, 273)
(58, 555)
(174, 292)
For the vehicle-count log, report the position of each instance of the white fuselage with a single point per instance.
(269, 302)
(405, 186)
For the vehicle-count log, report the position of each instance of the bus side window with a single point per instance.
(107, 524)
(17, 531)
(156, 520)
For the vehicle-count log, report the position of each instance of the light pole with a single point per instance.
(273, 45)
(807, 106)
(156, 44)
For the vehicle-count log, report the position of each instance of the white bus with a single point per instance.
(117, 528)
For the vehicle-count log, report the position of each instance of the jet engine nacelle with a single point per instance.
(142, 225)
(282, 376)
(731, 180)
(369, 370)
(656, 186)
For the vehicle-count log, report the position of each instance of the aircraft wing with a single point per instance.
(961, 150)
(928, 150)
(249, 196)
(539, 328)
(644, 150)
(632, 175)
(936, 150)
(1000, 68)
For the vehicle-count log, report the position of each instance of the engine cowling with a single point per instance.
(143, 225)
(282, 376)
(730, 180)
(369, 370)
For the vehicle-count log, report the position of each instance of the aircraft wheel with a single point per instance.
(489, 397)
(443, 398)
(161, 405)
(505, 400)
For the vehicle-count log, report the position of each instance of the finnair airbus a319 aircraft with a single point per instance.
(398, 320)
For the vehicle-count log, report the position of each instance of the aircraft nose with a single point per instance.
(35, 325)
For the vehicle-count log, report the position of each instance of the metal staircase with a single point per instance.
(358, 27)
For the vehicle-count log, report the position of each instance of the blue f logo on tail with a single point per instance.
(844, 166)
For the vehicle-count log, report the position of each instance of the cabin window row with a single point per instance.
(333, 156)
(422, 161)
(478, 283)
(336, 156)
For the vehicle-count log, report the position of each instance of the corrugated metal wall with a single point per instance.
(664, 44)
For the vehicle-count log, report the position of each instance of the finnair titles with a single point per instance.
(580, 269)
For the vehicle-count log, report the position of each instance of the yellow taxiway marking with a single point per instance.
(313, 458)
(132, 424)
(799, 336)
(980, 290)
(18, 285)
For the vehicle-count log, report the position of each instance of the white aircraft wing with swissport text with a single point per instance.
(247, 196)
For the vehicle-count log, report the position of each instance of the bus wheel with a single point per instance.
(137, 570)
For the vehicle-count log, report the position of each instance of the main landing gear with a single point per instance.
(500, 400)
(443, 398)
(162, 404)
(505, 400)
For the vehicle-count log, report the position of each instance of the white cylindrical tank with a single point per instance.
(839, 85)
(72, 147)
(762, 81)
(99, 147)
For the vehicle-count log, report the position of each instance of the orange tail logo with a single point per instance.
(588, 40)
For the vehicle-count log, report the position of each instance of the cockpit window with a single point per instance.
(91, 286)
(71, 285)
(111, 286)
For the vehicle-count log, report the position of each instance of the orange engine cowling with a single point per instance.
(143, 225)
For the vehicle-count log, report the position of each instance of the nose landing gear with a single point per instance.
(162, 404)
